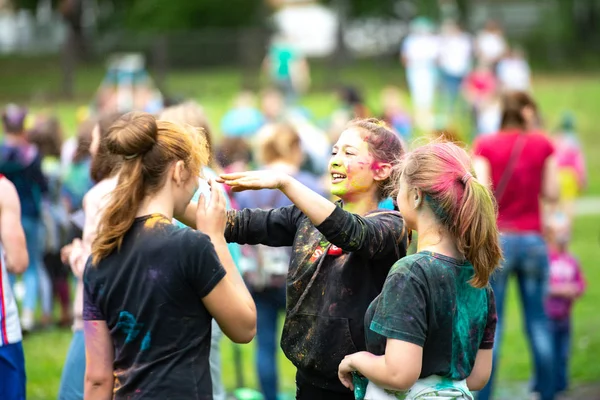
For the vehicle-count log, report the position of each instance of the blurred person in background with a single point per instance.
(490, 44)
(395, 113)
(566, 285)
(513, 71)
(234, 155)
(455, 62)
(287, 68)
(21, 163)
(46, 134)
(480, 89)
(13, 260)
(278, 148)
(77, 179)
(351, 105)
(419, 54)
(521, 167)
(243, 119)
(571, 163)
(104, 171)
(191, 113)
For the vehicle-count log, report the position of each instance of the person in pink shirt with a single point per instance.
(571, 163)
(566, 284)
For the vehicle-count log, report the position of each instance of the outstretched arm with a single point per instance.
(377, 235)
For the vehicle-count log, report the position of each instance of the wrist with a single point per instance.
(284, 182)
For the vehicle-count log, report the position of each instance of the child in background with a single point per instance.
(571, 163)
(566, 285)
(394, 112)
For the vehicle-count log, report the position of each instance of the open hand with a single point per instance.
(345, 373)
(254, 180)
(211, 218)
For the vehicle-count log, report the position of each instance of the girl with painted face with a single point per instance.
(430, 333)
(341, 253)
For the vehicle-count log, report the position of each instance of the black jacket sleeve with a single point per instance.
(376, 235)
(276, 227)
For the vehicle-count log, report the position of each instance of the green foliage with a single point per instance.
(158, 15)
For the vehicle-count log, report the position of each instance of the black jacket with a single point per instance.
(327, 294)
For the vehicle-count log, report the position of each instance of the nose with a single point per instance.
(334, 161)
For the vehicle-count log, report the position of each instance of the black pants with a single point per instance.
(306, 391)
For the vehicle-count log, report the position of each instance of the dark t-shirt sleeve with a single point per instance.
(202, 267)
(276, 227)
(487, 342)
(91, 308)
(402, 310)
(377, 234)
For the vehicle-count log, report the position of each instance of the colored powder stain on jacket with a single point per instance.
(317, 280)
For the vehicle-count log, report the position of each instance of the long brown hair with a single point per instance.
(462, 205)
(148, 147)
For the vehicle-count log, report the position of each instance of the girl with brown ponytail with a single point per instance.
(151, 289)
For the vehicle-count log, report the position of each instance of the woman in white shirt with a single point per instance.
(419, 55)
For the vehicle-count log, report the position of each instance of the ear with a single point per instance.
(179, 173)
(382, 171)
(418, 199)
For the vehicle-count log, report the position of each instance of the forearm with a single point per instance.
(376, 370)
(313, 205)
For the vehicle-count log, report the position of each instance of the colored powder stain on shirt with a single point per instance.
(471, 311)
(128, 324)
(155, 220)
(146, 342)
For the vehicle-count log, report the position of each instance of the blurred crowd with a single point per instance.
(448, 73)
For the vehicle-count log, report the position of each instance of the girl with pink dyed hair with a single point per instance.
(430, 332)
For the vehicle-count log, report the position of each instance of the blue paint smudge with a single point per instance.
(146, 342)
(128, 324)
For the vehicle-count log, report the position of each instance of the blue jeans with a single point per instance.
(12, 372)
(215, 362)
(526, 256)
(73, 373)
(269, 303)
(450, 89)
(35, 247)
(561, 335)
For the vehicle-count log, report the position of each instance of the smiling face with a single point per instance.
(351, 166)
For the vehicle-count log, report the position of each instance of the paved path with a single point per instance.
(588, 206)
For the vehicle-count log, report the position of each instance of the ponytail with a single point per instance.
(476, 232)
(462, 205)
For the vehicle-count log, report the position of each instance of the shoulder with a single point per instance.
(192, 239)
(410, 266)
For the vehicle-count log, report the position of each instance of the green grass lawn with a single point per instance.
(45, 351)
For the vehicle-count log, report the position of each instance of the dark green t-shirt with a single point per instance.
(427, 300)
